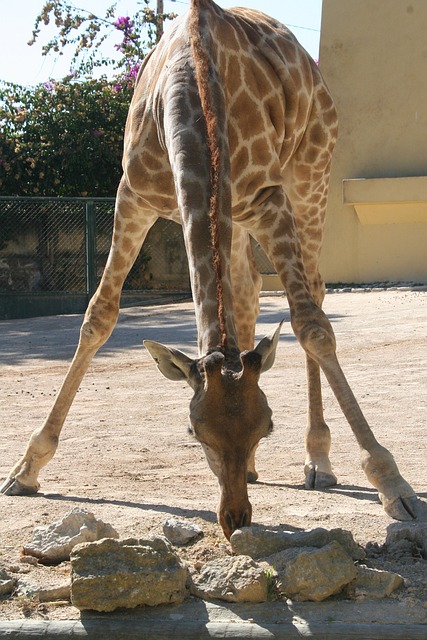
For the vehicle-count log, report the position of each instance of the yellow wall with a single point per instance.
(373, 55)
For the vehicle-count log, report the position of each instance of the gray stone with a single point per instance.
(127, 573)
(53, 543)
(407, 538)
(373, 583)
(7, 583)
(258, 542)
(312, 573)
(181, 532)
(233, 579)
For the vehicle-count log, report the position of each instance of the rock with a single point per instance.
(407, 538)
(126, 573)
(180, 532)
(50, 594)
(31, 560)
(233, 579)
(373, 583)
(7, 583)
(258, 542)
(53, 543)
(46, 584)
(312, 573)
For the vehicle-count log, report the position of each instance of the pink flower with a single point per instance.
(49, 85)
(128, 78)
(124, 23)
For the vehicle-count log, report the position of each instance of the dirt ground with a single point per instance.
(125, 453)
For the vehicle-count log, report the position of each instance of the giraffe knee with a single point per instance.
(93, 336)
(98, 325)
(316, 336)
(318, 342)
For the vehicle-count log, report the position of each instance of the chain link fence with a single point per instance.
(53, 252)
(39, 253)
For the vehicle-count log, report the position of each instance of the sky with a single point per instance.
(22, 64)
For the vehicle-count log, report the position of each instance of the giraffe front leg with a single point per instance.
(396, 494)
(129, 233)
(279, 237)
(23, 477)
(316, 336)
(97, 326)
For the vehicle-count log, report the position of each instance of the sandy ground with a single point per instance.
(126, 456)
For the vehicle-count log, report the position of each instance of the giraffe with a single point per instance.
(230, 132)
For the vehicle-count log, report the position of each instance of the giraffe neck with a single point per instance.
(203, 67)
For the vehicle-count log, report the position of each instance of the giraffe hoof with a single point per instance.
(319, 480)
(418, 507)
(407, 509)
(252, 477)
(12, 487)
(6, 486)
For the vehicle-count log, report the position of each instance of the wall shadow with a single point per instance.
(56, 337)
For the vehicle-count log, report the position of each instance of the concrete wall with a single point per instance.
(373, 55)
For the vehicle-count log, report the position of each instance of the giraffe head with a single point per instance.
(229, 415)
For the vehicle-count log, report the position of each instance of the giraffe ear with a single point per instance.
(174, 364)
(267, 349)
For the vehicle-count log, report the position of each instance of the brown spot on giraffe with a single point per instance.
(260, 153)
(191, 113)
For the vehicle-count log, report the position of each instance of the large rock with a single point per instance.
(233, 579)
(312, 573)
(258, 542)
(126, 573)
(53, 543)
(373, 583)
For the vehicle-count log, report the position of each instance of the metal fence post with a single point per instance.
(90, 215)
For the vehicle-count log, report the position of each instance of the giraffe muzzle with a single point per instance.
(234, 518)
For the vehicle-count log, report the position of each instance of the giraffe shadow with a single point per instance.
(348, 490)
(209, 516)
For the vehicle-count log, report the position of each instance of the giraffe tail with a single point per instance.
(213, 107)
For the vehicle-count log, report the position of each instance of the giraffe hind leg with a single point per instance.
(246, 285)
(317, 467)
(307, 182)
(276, 221)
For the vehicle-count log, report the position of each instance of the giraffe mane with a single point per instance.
(202, 68)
